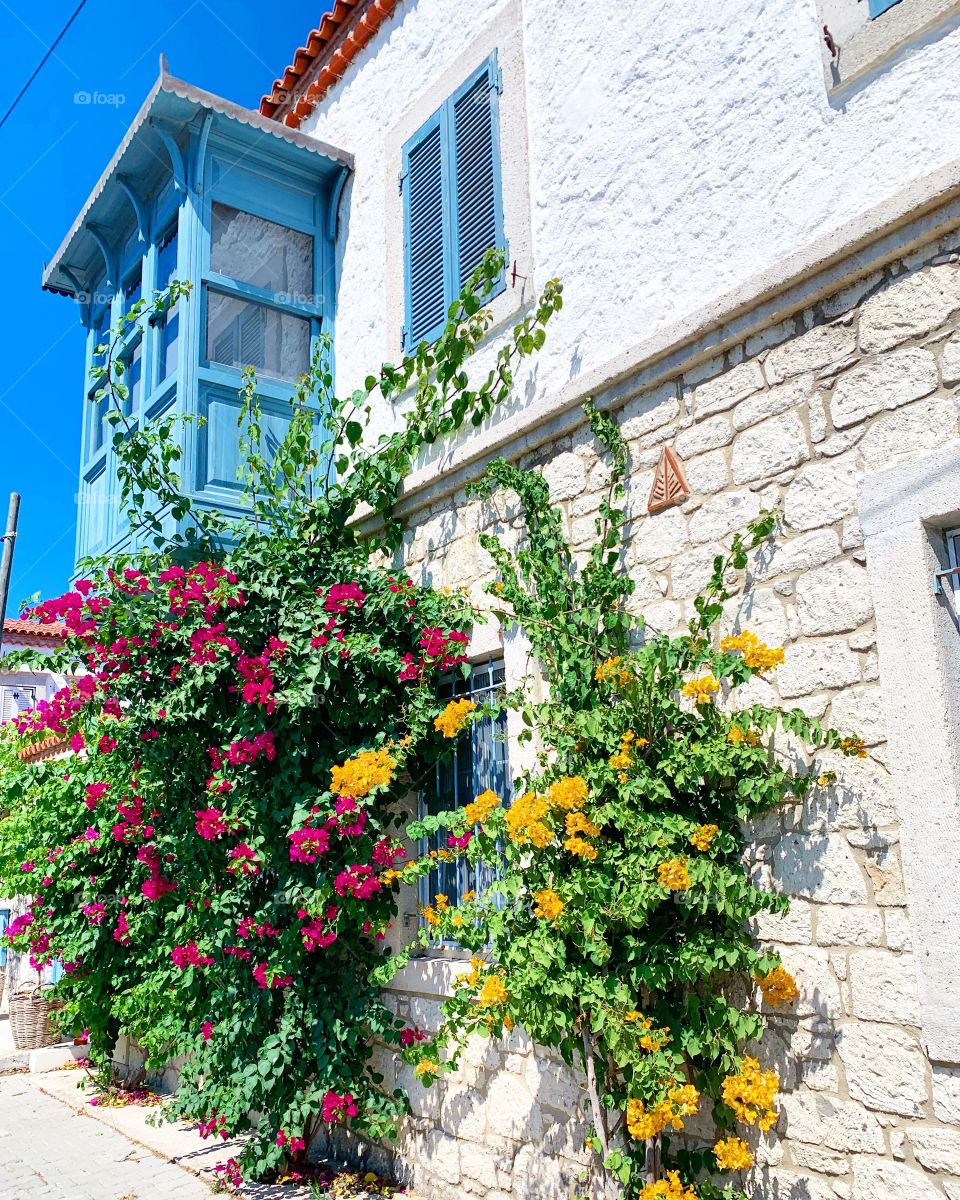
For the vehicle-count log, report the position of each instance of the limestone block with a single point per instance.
(705, 435)
(950, 360)
(911, 306)
(817, 417)
(837, 1124)
(897, 927)
(819, 867)
(691, 571)
(761, 611)
(848, 926)
(707, 473)
(946, 1093)
(861, 797)
(723, 392)
(766, 449)
(859, 710)
(883, 867)
(659, 535)
(773, 401)
(512, 1111)
(720, 515)
(885, 1068)
(776, 1183)
(834, 599)
(784, 556)
(818, 1160)
(884, 987)
(440, 1155)
(477, 1165)
(936, 1149)
(821, 493)
(819, 994)
(463, 1114)
(553, 1084)
(566, 475)
(925, 425)
(887, 382)
(880, 1179)
(818, 348)
(815, 665)
(649, 411)
(792, 927)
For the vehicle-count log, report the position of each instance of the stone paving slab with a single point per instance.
(55, 1145)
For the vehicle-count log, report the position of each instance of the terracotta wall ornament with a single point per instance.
(669, 484)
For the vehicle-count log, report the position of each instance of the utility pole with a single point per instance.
(6, 562)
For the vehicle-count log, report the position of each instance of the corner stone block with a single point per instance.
(513, 1111)
(821, 493)
(837, 1124)
(885, 987)
(815, 665)
(880, 1179)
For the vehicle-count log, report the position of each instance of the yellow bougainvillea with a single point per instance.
(670, 1187)
(549, 906)
(778, 987)
(736, 736)
(756, 654)
(854, 746)
(582, 849)
(426, 1066)
(673, 874)
(629, 743)
(751, 1094)
(577, 823)
(643, 1123)
(613, 671)
(492, 992)
(568, 793)
(479, 809)
(703, 835)
(360, 775)
(454, 717)
(525, 823)
(701, 690)
(733, 1154)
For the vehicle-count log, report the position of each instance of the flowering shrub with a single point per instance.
(220, 859)
(618, 928)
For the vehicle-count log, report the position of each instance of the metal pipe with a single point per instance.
(6, 562)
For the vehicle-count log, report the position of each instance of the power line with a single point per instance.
(53, 46)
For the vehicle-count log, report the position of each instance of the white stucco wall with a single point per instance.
(675, 152)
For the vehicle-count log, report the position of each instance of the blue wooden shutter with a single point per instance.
(477, 202)
(426, 240)
(878, 7)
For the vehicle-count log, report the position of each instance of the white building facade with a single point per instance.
(755, 210)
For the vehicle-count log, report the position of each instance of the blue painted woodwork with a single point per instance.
(4, 922)
(879, 7)
(149, 220)
(452, 201)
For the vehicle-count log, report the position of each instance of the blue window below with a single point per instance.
(452, 202)
(879, 7)
(4, 922)
(478, 762)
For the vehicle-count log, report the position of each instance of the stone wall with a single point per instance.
(792, 420)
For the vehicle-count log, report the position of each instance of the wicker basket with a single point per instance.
(31, 1018)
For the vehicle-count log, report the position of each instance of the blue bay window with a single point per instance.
(245, 210)
(452, 202)
(879, 7)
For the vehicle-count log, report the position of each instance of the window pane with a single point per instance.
(241, 334)
(170, 322)
(98, 426)
(132, 289)
(133, 378)
(268, 255)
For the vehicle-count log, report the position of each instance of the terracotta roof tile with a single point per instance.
(48, 748)
(330, 49)
(17, 630)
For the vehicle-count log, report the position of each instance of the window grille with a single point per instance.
(15, 699)
(479, 761)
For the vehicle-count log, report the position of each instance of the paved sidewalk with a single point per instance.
(50, 1152)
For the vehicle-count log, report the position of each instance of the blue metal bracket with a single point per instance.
(333, 204)
(138, 206)
(109, 259)
(175, 154)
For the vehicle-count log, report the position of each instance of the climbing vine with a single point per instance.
(617, 930)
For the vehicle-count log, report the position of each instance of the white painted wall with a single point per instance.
(675, 151)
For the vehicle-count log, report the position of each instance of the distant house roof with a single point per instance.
(50, 747)
(330, 49)
(25, 633)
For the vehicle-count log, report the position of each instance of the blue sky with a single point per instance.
(52, 151)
